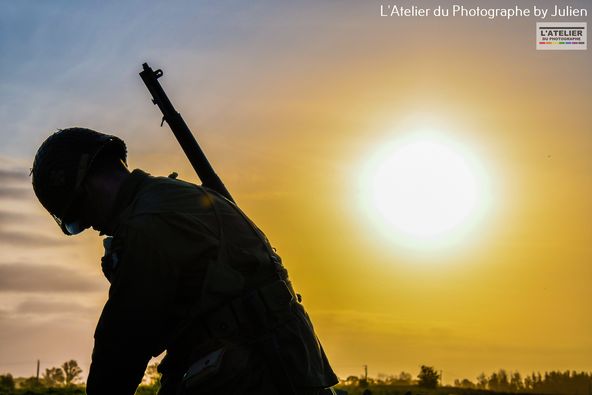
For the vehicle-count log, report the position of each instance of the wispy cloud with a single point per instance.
(9, 192)
(39, 307)
(13, 216)
(14, 183)
(28, 277)
(28, 239)
(7, 175)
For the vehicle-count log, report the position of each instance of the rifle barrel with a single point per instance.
(192, 150)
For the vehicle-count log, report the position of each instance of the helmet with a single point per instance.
(61, 165)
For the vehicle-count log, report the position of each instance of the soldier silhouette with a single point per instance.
(189, 273)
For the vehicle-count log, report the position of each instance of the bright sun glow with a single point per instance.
(425, 191)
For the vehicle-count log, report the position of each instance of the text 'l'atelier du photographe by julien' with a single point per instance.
(491, 13)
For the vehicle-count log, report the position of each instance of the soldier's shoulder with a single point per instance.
(168, 198)
(156, 191)
(159, 185)
(166, 211)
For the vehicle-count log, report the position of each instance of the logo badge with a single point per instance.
(561, 36)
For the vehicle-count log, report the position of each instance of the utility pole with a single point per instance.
(38, 370)
(366, 372)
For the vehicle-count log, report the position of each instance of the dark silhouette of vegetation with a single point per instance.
(66, 375)
(55, 380)
(568, 382)
(53, 377)
(498, 382)
(7, 385)
(71, 372)
(64, 380)
(428, 377)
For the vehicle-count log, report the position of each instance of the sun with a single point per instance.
(425, 191)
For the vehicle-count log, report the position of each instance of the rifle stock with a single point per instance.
(192, 150)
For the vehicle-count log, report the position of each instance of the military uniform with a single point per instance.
(192, 275)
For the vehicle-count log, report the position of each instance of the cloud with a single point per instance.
(18, 217)
(28, 239)
(15, 183)
(37, 306)
(17, 175)
(28, 277)
(12, 216)
(9, 192)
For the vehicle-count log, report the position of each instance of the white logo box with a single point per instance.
(561, 36)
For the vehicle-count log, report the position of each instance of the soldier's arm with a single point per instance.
(132, 324)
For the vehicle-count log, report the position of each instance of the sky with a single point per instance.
(292, 101)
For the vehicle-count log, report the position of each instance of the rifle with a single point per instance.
(192, 150)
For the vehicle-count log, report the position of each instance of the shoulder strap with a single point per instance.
(274, 258)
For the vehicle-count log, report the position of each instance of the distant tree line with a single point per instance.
(66, 380)
(428, 377)
(65, 377)
(554, 382)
